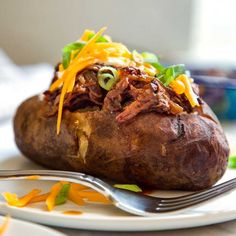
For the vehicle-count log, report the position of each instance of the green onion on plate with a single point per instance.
(130, 187)
(232, 162)
(62, 195)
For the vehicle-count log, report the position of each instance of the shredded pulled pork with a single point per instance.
(134, 93)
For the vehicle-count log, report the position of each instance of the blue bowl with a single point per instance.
(219, 93)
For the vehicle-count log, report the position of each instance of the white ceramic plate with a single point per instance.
(19, 228)
(104, 217)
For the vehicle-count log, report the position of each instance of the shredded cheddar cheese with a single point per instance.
(178, 86)
(86, 34)
(93, 196)
(72, 212)
(50, 201)
(74, 197)
(78, 187)
(188, 90)
(33, 177)
(78, 194)
(13, 200)
(39, 198)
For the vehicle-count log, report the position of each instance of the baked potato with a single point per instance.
(140, 130)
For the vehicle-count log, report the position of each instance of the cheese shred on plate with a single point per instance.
(59, 194)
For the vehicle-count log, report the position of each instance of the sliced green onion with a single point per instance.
(137, 57)
(178, 69)
(66, 59)
(62, 195)
(158, 66)
(232, 162)
(149, 57)
(130, 187)
(101, 39)
(170, 73)
(105, 79)
(67, 50)
(153, 60)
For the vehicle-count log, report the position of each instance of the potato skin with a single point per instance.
(184, 152)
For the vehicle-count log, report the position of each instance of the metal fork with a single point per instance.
(125, 200)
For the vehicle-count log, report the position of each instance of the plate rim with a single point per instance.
(156, 223)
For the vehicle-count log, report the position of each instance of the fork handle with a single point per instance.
(54, 175)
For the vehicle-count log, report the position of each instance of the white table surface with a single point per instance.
(224, 229)
(7, 147)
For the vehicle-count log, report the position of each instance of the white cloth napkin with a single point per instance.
(18, 83)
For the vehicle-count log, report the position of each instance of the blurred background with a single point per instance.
(198, 33)
(190, 31)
